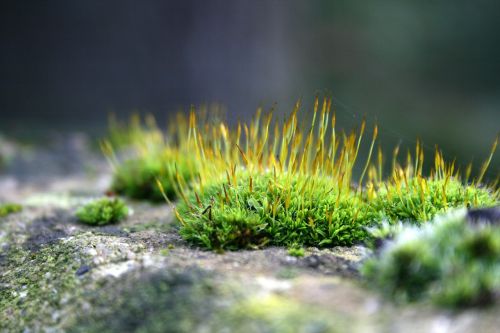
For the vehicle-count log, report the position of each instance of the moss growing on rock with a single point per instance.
(33, 284)
(418, 200)
(9, 208)
(450, 261)
(267, 183)
(102, 212)
(138, 178)
(265, 209)
(293, 187)
(289, 186)
(148, 160)
(296, 251)
(278, 314)
(45, 288)
(194, 300)
(166, 301)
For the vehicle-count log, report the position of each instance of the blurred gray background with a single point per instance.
(428, 69)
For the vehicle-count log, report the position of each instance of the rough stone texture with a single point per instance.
(57, 275)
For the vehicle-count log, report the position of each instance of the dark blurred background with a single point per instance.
(428, 69)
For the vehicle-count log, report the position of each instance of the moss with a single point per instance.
(33, 284)
(9, 208)
(165, 301)
(289, 209)
(307, 210)
(149, 160)
(138, 178)
(449, 261)
(48, 288)
(268, 182)
(192, 300)
(296, 251)
(419, 201)
(277, 314)
(164, 252)
(410, 270)
(102, 212)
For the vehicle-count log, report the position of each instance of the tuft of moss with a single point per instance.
(9, 208)
(147, 161)
(267, 209)
(418, 200)
(449, 261)
(151, 177)
(296, 251)
(103, 211)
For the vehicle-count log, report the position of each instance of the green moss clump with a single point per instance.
(102, 212)
(419, 200)
(307, 210)
(9, 208)
(138, 178)
(266, 209)
(296, 251)
(149, 162)
(450, 261)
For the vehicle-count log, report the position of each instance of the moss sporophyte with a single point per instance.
(270, 183)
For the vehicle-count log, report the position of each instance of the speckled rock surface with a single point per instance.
(57, 275)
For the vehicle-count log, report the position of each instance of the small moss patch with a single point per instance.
(102, 212)
(296, 251)
(9, 208)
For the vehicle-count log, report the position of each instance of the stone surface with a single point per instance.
(57, 275)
